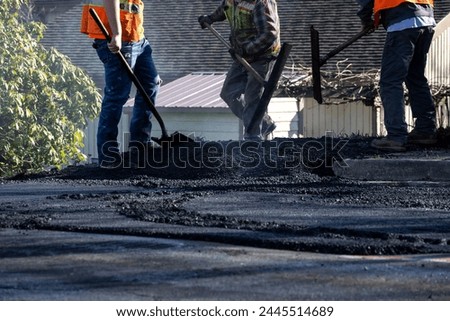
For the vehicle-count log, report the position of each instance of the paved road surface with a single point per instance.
(257, 240)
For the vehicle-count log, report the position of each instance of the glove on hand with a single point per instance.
(236, 51)
(368, 25)
(203, 20)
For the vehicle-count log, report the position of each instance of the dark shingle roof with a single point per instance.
(181, 47)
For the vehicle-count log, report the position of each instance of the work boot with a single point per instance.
(419, 138)
(267, 128)
(387, 144)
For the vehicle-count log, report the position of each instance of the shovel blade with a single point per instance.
(176, 139)
(270, 86)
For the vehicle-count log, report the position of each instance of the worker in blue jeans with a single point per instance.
(124, 21)
(117, 91)
(410, 28)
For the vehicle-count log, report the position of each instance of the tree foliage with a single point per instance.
(45, 99)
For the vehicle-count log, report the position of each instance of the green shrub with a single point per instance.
(45, 99)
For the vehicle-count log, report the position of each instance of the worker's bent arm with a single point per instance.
(112, 8)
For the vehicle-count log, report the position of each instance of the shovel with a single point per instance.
(270, 85)
(172, 140)
(318, 61)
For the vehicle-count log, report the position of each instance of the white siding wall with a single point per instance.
(287, 115)
(208, 124)
(342, 119)
(90, 147)
(438, 67)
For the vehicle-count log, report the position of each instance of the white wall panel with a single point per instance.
(342, 119)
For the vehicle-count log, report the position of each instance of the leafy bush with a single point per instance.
(45, 99)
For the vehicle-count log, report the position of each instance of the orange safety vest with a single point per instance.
(131, 18)
(389, 4)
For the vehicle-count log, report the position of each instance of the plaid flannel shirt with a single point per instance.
(266, 21)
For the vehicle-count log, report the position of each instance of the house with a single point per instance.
(182, 49)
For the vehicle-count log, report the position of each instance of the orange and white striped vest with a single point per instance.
(131, 18)
(389, 4)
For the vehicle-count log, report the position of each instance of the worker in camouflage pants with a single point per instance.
(255, 36)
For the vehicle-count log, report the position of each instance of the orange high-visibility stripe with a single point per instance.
(389, 4)
(132, 22)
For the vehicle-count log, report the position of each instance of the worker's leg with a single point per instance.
(234, 87)
(253, 93)
(145, 71)
(397, 55)
(421, 100)
(116, 93)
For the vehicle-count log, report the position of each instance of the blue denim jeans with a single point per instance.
(117, 91)
(241, 92)
(404, 60)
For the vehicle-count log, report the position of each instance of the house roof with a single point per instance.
(196, 90)
(193, 90)
(181, 47)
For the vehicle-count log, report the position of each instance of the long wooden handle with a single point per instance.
(239, 58)
(344, 45)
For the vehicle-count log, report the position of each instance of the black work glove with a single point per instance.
(368, 25)
(203, 20)
(236, 51)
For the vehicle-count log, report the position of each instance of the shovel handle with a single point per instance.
(130, 72)
(99, 23)
(344, 45)
(239, 58)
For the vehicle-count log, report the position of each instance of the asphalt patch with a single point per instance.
(172, 180)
